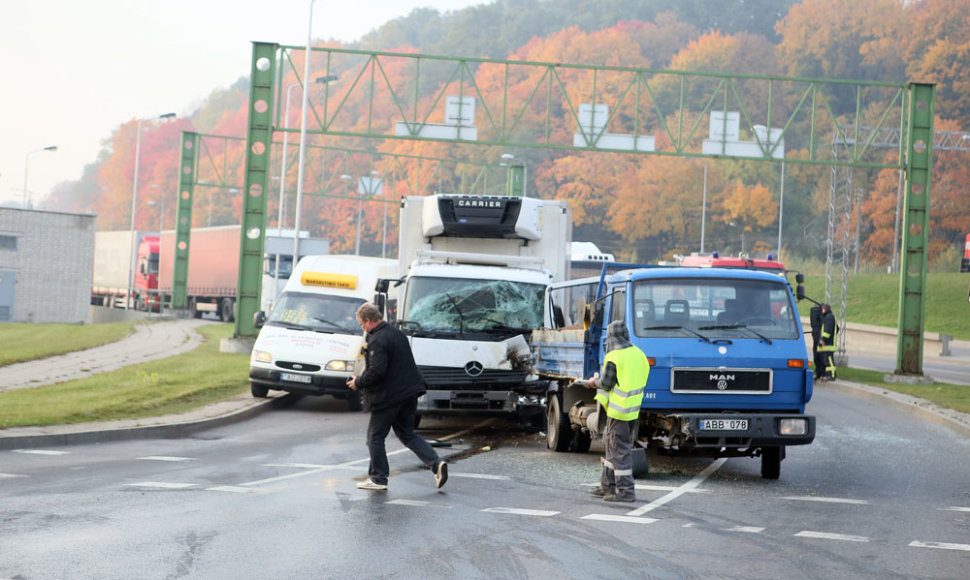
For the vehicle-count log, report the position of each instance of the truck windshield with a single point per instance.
(461, 305)
(714, 307)
(286, 266)
(316, 312)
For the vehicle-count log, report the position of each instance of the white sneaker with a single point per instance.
(441, 474)
(368, 484)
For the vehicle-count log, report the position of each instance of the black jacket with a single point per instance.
(390, 375)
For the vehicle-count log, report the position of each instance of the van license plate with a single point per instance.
(295, 378)
(724, 424)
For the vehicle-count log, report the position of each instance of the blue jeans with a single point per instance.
(399, 417)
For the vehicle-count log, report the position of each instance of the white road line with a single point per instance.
(165, 458)
(687, 487)
(745, 529)
(479, 476)
(520, 511)
(41, 452)
(231, 489)
(7, 475)
(645, 487)
(826, 499)
(410, 502)
(830, 536)
(161, 485)
(941, 546)
(319, 469)
(297, 465)
(622, 519)
(956, 509)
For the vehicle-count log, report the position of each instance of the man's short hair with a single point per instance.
(368, 311)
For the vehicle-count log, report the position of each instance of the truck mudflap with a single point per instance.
(734, 433)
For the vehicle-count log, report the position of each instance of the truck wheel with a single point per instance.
(259, 391)
(558, 431)
(225, 310)
(771, 462)
(355, 404)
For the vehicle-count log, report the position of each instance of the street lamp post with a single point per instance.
(26, 159)
(134, 202)
(516, 171)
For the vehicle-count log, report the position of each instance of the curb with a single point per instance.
(953, 420)
(102, 433)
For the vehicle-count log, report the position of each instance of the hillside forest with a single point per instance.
(639, 207)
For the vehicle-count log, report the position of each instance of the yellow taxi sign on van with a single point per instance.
(328, 280)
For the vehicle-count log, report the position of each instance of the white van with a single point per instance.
(311, 343)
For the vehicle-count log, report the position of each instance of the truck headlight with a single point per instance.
(793, 426)
(343, 366)
(262, 356)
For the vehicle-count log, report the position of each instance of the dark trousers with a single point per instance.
(618, 463)
(399, 417)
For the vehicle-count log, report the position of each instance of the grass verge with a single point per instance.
(956, 397)
(28, 341)
(171, 385)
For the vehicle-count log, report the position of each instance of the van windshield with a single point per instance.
(317, 312)
(463, 305)
(714, 307)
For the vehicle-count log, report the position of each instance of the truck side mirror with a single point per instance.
(800, 278)
(382, 285)
(799, 292)
(259, 319)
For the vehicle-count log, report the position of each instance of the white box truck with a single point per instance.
(476, 269)
(310, 344)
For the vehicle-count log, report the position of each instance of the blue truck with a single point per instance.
(730, 374)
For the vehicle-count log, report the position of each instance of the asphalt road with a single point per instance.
(880, 494)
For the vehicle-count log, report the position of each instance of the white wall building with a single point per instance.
(45, 266)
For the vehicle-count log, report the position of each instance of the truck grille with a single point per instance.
(452, 378)
(714, 380)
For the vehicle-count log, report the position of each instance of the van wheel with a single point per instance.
(259, 391)
(558, 431)
(771, 462)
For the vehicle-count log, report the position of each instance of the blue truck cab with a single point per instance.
(730, 373)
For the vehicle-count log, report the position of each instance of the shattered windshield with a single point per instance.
(715, 308)
(459, 306)
(316, 312)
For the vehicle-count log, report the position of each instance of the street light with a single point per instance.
(512, 188)
(26, 158)
(134, 202)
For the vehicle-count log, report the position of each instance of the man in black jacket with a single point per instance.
(390, 386)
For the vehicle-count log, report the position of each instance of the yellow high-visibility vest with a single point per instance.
(632, 369)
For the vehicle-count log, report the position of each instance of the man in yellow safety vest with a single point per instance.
(620, 392)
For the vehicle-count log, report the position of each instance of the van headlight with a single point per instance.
(341, 366)
(262, 356)
(793, 426)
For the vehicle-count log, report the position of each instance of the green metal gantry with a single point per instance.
(471, 103)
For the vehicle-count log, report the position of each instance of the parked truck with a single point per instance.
(475, 272)
(114, 272)
(310, 344)
(213, 276)
(730, 375)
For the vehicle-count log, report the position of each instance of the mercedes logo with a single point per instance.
(474, 368)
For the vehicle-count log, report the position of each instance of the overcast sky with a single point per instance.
(77, 69)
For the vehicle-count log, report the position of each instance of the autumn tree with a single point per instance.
(748, 207)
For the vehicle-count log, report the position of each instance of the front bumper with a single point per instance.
(318, 385)
(763, 430)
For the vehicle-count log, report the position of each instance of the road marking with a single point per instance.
(745, 529)
(668, 488)
(520, 511)
(7, 475)
(410, 502)
(687, 487)
(623, 519)
(826, 499)
(830, 536)
(956, 509)
(941, 546)
(480, 476)
(319, 469)
(41, 452)
(161, 485)
(165, 458)
(231, 489)
(298, 465)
